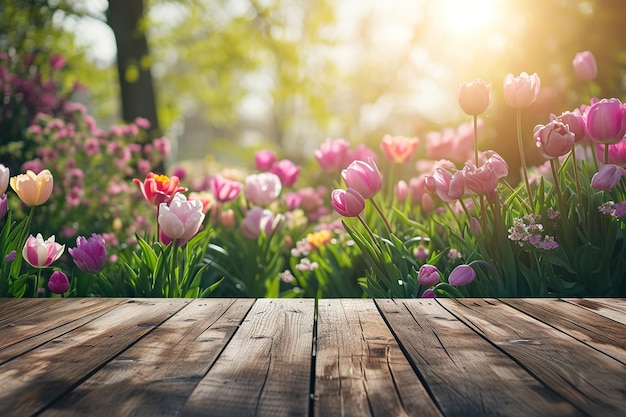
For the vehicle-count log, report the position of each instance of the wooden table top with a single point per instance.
(282, 357)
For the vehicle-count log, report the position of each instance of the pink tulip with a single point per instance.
(446, 185)
(58, 283)
(363, 177)
(607, 178)
(4, 205)
(617, 152)
(348, 203)
(264, 160)
(574, 121)
(259, 220)
(158, 188)
(521, 91)
(402, 191)
(262, 189)
(225, 190)
(181, 218)
(399, 149)
(496, 163)
(41, 253)
(585, 66)
(482, 180)
(461, 275)
(4, 179)
(605, 121)
(428, 275)
(474, 97)
(333, 155)
(554, 139)
(287, 171)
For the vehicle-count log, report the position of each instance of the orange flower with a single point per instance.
(33, 189)
(399, 149)
(319, 239)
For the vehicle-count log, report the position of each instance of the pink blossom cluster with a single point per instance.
(528, 231)
(611, 208)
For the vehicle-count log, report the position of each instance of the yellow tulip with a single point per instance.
(33, 189)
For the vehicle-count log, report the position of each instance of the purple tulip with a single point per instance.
(428, 275)
(461, 275)
(89, 255)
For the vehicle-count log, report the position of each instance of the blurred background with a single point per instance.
(224, 78)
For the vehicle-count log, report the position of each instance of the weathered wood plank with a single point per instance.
(156, 376)
(27, 331)
(602, 333)
(35, 379)
(266, 368)
(360, 370)
(611, 308)
(465, 373)
(13, 309)
(595, 383)
(36, 329)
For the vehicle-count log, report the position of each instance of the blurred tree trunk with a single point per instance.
(126, 19)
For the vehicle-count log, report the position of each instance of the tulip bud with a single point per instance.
(58, 283)
(348, 203)
(474, 97)
(607, 177)
(521, 91)
(585, 66)
(429, 293)
(461, 275)
(428, 275)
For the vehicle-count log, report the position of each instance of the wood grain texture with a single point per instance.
(597, 331)
(615, 309)
(465, 373)
(360, 369)
(37, 378)
(155, 376)
(33, 330)
(266, 368)
(592, 381)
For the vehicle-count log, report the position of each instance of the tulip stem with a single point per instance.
(523, 158)
(369, 231)
(578, 188)
(476, 139)
(173, 281)
(606, 153)
(380, 212)
(555, 176)
(37, 279)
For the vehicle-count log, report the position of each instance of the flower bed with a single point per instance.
(446, 230)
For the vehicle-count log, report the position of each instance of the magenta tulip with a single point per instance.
(521, 91)
(428, 275)
(461, 275)
(264, 160)
(429, 293)
(89, 255)
(474, 97)
(41, 253)
(617, 152)
(287, 171)
(585, 66)
(605, 121)
(364, 177)
(58, 283)
(348, 203)
(181, 218)
(333, 154)
(554, 139)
